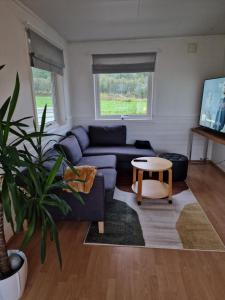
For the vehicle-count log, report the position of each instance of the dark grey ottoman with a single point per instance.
(180, 165)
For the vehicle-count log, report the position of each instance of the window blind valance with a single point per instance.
(44, 55)
(123, 63)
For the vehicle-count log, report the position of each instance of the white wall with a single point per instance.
(177, 88)
(14, 53)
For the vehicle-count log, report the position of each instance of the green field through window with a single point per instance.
(120, 107)
(42, 83)
(123, 93)
(41, 101)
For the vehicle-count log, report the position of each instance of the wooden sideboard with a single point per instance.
(216, 138)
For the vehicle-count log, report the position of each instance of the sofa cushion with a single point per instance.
(71, 148)
(81, 135)
(123, 153)
(107, 135)
(139, 144)
(100, 161)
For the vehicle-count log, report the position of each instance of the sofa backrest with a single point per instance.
(51, 157)
(81, 135)
(107, 135)
(71, 148)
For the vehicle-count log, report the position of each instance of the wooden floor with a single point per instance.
(103, 272)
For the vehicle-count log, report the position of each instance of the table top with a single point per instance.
(220, 139)
(154, 164)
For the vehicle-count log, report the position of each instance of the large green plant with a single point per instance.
(28, 193)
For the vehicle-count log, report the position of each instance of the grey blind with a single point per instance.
(44, 55)
(123, 63)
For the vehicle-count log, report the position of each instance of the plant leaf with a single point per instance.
(54, 235)
(12, 106)
(14, 98)
(4, 109)
(53, 172)
(55, 201)
(43, 239)
(30, 231)
(43, 118)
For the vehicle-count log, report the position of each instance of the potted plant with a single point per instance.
(27, 193)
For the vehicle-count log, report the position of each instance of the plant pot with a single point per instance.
(12, 288)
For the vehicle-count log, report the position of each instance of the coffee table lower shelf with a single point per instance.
(153, 189)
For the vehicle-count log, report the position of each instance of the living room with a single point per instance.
(125, 84)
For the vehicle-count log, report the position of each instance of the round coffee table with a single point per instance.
(149, 188)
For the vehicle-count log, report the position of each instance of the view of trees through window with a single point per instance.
(43, 90)
(123, 94)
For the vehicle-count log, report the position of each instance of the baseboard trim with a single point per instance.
(217, 167)
(199, 161)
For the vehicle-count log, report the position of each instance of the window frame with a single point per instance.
(54, 99)
(147, 116)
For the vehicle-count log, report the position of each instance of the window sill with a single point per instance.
(123, 119)
(51, 126)
(56, 128)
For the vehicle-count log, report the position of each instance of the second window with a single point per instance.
(123, 95)
(123, 85)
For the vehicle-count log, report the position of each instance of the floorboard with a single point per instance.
(109, 273)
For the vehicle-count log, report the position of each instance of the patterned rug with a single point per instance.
(156, 224)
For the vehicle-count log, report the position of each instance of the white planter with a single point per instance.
(12, 287)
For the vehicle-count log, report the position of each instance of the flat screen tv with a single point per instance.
(212, 114)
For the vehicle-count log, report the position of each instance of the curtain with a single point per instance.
(123, 63)
(44, 55)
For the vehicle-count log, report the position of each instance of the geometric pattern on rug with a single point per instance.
(195, 230)
(122, 226)
(156, 224)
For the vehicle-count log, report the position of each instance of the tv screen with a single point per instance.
(213, 105)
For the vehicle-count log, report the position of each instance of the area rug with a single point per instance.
(156, 224)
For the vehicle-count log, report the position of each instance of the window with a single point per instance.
(44, 94)
(123, 85)
(123, 94)
(47, 62)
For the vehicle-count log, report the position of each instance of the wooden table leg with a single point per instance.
(161, 176)
(101, 227)
(170, 183)
(134, 175)
(140, 178)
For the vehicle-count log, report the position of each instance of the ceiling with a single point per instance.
(84, 20)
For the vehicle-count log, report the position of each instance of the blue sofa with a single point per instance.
(108, 140)
(106, 149)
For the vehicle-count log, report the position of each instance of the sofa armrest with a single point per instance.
(97, 192)
(93, 208)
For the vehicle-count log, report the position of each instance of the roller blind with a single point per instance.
(123, 63)
(44, 55)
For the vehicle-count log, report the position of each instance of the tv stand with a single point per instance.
(216, 138)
